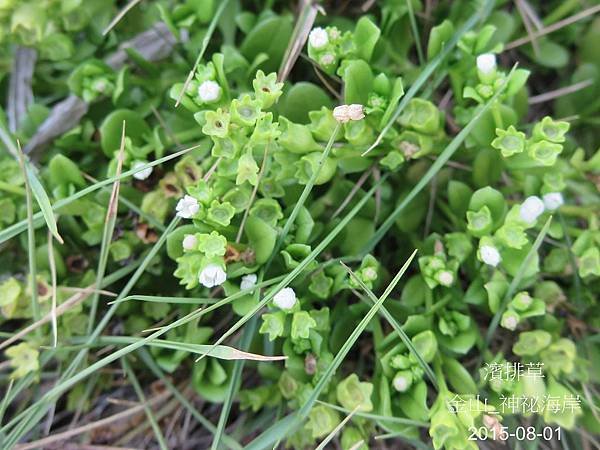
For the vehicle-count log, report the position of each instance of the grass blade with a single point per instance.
(435, 168)
(415, 31)
(210, 30)
(160, 299)
(303, 196)
(516, 280)
(52, 264)
(147, 409)
(376, 417)
(149, 361)
(221, 352)
(392, 320)
(431, 67)
(336, 430)
(234, 383)
(35, 307)
(107, 232)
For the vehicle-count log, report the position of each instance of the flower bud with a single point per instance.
(346, 113)
(190, 242)
(318, 38)
(209, 91)
(285, 298)
(212, 275)
(553, 200)
(142, 174)
(187, 207)
(531, 209)
(490, 255)
(248, 281)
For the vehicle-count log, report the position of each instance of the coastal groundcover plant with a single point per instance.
(276, 224)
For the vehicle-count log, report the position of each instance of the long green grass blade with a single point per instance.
(303, 264)
(220, 352)
(21, 226)
(149, 361)
(397, 328)
(107, 233)
(377, 417)
(292, 421)
(303, 196)
(435, 168)
(44, 202)
(234, 383)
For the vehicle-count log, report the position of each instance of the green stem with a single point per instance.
(439, 374)
(35, 307)
(497, 115)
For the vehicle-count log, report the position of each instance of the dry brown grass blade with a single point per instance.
(45, 442)
(554, 27)
(306, 19)
(551, 95)
(525, 18)
(60, 310)
(120, 16)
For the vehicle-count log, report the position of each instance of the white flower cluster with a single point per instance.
(187, 207)
(209, 91)
(212, 275)
(285, 298)
(318, 38)
(346, 113)
(490, 255)
(486, 63)
(142, 174)
(248, 281)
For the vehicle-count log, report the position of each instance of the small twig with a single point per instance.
(254, 190)
(352, 192)
(551, 95)
(166, 127)
(528, 28)
(60, 310)
(43, 443)
(212, 169)
(554, 27)
(306, 19)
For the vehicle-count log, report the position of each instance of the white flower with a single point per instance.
(285, 298)
(400, 383)
(327, 59)
(346, 113)
(142, 174)
(553, 200)
(189, 242)
(318, 38)
(531, 209)
(248, 281)
(187, 207)
(490, 255)
(212, 275)
(445, 278)
(486, 63)
(209, 91)
(510, 322)
(369, 273)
